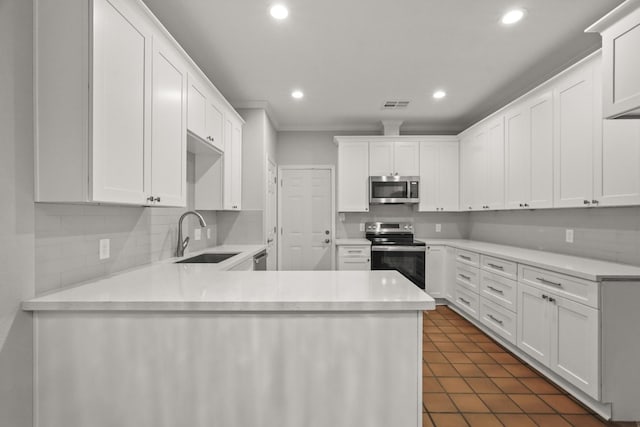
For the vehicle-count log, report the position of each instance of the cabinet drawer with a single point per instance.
(499, 320)
(246, 265)
(468, 277)
(348, 250)
(354, 263)
(498, 289)
(573, 288)
(499, 266)
(467, 300)
(466, 257)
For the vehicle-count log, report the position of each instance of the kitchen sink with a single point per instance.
(207, 258)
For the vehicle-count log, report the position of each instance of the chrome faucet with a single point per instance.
(182, 244)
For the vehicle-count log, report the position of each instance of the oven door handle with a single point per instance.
(398, 248)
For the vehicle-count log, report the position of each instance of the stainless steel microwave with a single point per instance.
(394, 189)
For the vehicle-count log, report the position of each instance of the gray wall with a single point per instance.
(306, 148)
(67, 237)
(16, 213)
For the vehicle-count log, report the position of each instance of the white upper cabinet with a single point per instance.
(169, 126)
(576, 130)
(353, 176)
(439, 183)
(232, 165)
(529, 153)
(620, 46)
(493, 195)
(205, 113)
(394, 158)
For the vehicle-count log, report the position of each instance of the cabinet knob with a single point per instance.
(150, 199)
(470, 208)
(586, 202)
(526, 205)
(521, 205)
(595, 202)
(157, 199)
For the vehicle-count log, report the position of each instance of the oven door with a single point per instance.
(408, 260)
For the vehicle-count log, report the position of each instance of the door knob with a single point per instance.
(327, 232)
(327, 240)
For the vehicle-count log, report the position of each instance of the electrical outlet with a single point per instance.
(438, 228)
(362, 226)
(569, 235)
(105, 248)
(197, 233)
(208, 233)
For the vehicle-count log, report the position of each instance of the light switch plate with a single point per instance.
(105, 248)
(208, 233)
(197, 233)
(362, 226)
(438, 228)
(569, 235)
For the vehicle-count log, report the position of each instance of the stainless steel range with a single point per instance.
(394, 248)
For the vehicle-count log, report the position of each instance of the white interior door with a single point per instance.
(306, 219)
(272, 219)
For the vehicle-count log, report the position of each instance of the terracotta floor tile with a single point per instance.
(449, 420)
(563, 404)
(469, 403)
(540, 386)
(490, 347)
(442, 322)
(438, 402)
(549, 420)
(431, 385)
(443, 370)
(468, 370)
(426, 371)
(456, 357)
(446, 346)
(482, 385)
(500, 403)
(510, 385)
(478, 357)
(494, 370)
(426, 421)
(455, 385)
(469, 347)
(516, 420)
(458, 337)
(439, 337)
(482, 420)
(434, 357)
(504, 358)
(585, 421)
(531, 404)
(479, 337)
(468, 329)
(450, 329)
(460, 323)
(521, 371)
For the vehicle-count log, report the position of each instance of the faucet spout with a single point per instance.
(182, 244)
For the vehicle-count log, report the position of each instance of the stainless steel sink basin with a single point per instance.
(207, 258)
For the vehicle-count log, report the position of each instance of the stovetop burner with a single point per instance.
(390, 234)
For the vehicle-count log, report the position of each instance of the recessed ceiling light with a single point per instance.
(439, 94)
(279, 11)
(297, 94)
(512, 16)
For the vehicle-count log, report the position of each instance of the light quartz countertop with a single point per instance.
(347, 242)
(584, 268)
(166, 286)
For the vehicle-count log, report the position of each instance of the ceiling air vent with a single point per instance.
(395, 105)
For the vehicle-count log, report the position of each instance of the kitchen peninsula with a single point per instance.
(187, 344)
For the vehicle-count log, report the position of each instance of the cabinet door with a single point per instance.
(406, 157)
(617, 165)
(121, 104)
(448, 176)
(214, 123)
(517, 158)
(479, 164)
(494, 169)
(540, 113)
(381, 158)
(449, 273)
(466, 173)
(575, 349)
(353, 177)
(169, 129)
(534, 323)
(429, 174)
(574, 138)
(435, 269)
(197, 108)
(236, 166)
(227, 188)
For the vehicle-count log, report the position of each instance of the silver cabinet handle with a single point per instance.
(464, 277)
(586, 202)
(522, 205)
(552, 300)
(545, 296)
(464, 300)
(496, 290)
(496, 266)
(498, 321)
(548, 282)
(157, 199)
(465, 257)
(595, 202)
(150, 199)
(269, 240)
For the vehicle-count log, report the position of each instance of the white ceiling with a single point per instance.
(348, 56)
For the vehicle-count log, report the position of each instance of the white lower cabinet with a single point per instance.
(435, 266)
(354, 258)
(246, 265)
(467, 300)
(498, 319)
(561, 334)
